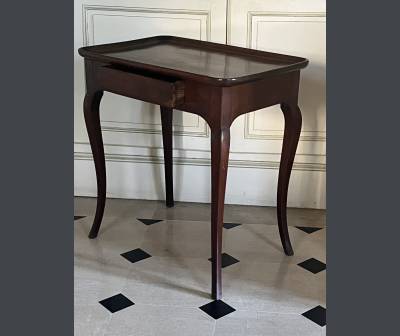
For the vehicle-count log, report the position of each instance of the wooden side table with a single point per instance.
(217, 82)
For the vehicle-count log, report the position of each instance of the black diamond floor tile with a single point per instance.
(217, 309)
(230, 225)
(313, 265)
(227, 260)
(136, 255)
(116, 303)
(309, 229)
(78, 217)
(317, 315)
(149, 221)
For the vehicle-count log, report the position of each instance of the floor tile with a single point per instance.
(250, 214)
(308, 229)
(90, 319)
(147, 221)
(317, 315)
(227, 260)
(266, 324)
(267, 215)
(136, 255)
(230, 225)
(258, 243)
(270, 324)
(217, 309)
(170, 281)
(175, 238)
(306, 217)
(117, 235)
(122, 208)
(272, 287)
(151, 320)
(116, 303)
(94, 281)
(184, 211)
(313, 265)
(235, 324)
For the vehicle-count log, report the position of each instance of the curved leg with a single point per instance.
(92, 120)
(166, 122)
(292, 115)
(220, 140)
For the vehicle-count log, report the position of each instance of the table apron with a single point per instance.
(263, 93)
(195, 97)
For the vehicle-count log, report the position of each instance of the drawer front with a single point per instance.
(146, 87)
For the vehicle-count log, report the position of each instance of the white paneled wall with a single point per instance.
(132, 129)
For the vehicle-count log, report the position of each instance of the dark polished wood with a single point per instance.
(220, 140)
(92, 120)
(164, 91)
(207, 62)
(166, 123)
(291, 137)
(217, 82)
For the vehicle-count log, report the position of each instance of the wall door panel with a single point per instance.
(297, 28)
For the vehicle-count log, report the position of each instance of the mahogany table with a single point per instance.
(215, 81)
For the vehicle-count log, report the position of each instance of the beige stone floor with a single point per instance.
(268, 289)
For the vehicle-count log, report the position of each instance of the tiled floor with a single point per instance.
(148, 272)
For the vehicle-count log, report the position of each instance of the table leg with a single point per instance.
(291, 137)
(166, 122)
(92, 119)
(220, 140)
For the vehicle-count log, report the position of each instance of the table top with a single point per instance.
(214, 63)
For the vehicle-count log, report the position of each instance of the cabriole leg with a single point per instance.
(293, 118)
(92, 119)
